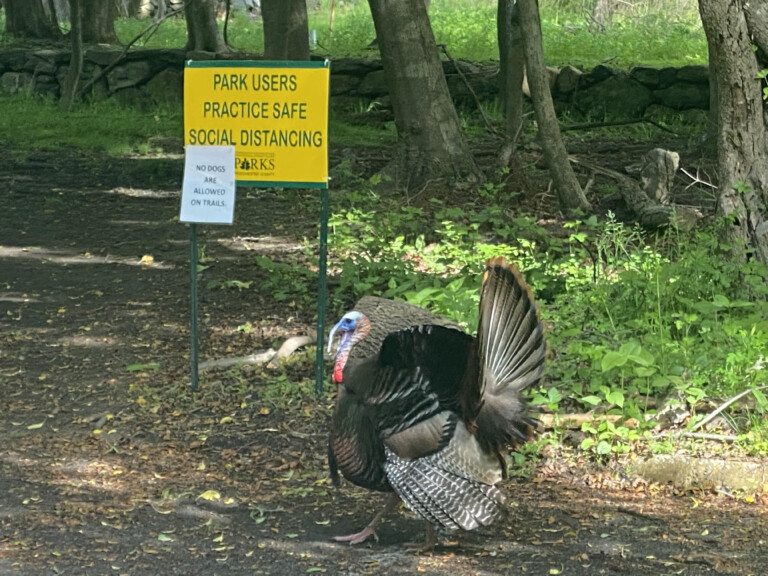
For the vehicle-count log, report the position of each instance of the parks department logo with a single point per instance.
(256, 165)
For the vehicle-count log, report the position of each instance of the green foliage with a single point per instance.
(288, 282)
(663, 35)
(31, 122)
(635, 318)
(763, 75)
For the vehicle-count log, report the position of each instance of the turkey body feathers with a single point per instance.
(429, 414)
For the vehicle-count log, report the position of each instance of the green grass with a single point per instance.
(663, 35)
(29, 122)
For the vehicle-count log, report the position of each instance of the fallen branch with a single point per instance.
(258, 358)
(269, 356)
(723, 406)
(649, 213)
(590, 125)
(696, 435)
(291, 345)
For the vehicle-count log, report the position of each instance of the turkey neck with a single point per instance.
(342, 355)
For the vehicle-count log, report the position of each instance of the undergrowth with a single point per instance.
(637, 321)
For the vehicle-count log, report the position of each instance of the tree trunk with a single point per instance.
(99, 21)
(27, 18)
(433, 146)
(601, 16)
(286, 32)
(511, 72)
(741, 132)
(202, 30)
(76, 59)
(757, 23)
(569, 192)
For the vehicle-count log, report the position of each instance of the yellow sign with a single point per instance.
(275, 114)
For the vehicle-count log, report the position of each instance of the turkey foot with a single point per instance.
(370, 530)
(359, 537)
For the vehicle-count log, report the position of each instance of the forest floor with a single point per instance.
(110, 465)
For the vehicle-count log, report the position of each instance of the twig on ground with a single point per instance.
(590, 125)
(259, 358)
(269, 356)
(696, 180)
(696, 435)
(723, 406)
(291, 345)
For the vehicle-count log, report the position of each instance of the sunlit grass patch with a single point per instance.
(31, 122)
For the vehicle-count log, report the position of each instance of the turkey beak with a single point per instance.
(330, 337)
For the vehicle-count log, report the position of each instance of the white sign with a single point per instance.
(208, 195)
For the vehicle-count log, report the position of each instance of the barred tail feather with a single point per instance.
(454, 487)
(442, 497)
(512, 350)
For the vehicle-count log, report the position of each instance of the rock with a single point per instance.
(667, 77)
(46, 84)
(618, 97)
(13, 59)
(596, 75)
(684, 95)
(354, 66)
(705, 473)
(567, 80)
(101, 56)
(374, 84)
(166, 87)
(14, 82)
(45, 67)
(694, 74)
(130, 97)
(344, 83)
(657, 174)
(552, 74)
(128, 75)
(646, 75)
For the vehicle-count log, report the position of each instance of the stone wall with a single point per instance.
(157, 76)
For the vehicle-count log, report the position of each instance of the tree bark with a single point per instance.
(76, 59)
(432, 144)
(202, 30)
(27, 18)
(286, 32)
(741, 131)
(757, 23)
(511, 73)
(99, 22)
(569, 192)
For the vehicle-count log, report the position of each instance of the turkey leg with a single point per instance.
(370, 530)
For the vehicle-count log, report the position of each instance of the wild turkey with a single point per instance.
(429, 414)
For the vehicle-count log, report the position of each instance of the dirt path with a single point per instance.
(108, 465)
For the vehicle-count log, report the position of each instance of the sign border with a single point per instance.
(273, 64)
(256, 63)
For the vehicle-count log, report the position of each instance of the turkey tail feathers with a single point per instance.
(443, 496)
(511, 349)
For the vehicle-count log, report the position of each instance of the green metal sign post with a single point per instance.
(193, 304)
(322, 291)
(275, 115)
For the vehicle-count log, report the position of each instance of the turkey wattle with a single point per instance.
(429, 414)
